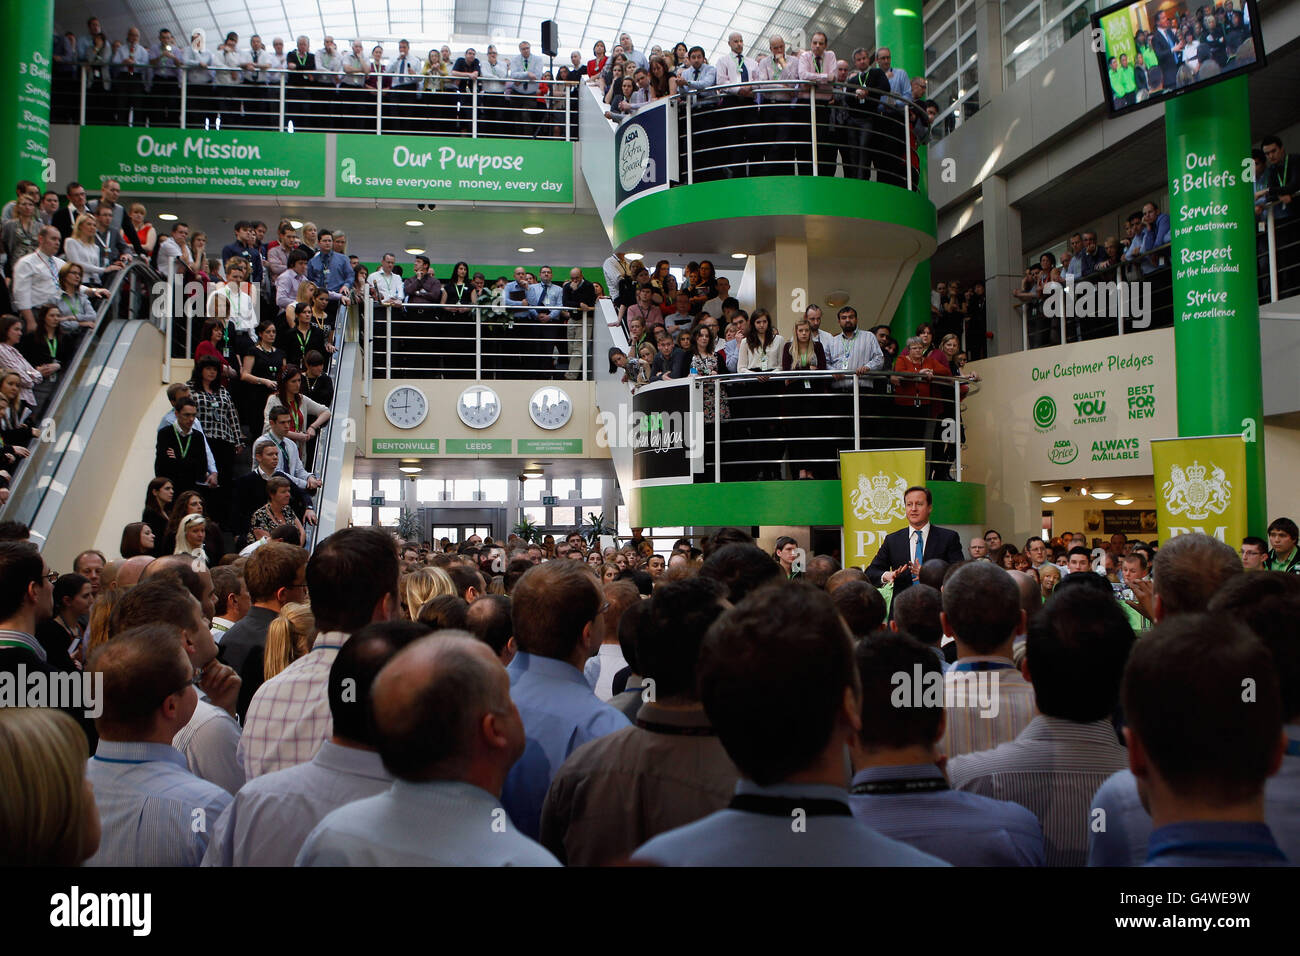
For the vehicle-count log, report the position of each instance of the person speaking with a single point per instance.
(903, 551)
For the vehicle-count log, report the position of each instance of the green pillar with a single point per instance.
(28, 26)
(899, 26)
(1216, 304)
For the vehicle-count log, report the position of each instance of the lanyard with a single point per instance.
(302, 340)
(909, 785)
(184, 446)
(296, 416)
(676, 729)
(302, 59)
(53, 346)
(1230, 846)
(460, 291)
(785, 806)
(982, 666)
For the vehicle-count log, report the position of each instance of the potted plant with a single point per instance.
(408, 526)
(528, 530)
(597, 526)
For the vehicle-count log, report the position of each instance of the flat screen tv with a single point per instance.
(1154, 49)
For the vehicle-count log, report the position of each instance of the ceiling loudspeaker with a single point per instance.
(550, 38)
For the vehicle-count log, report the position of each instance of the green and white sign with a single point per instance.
(203, 161)
(550, 446)
(436, 167)
(403, 446)
(1216, 309)
(25, 91)
(478, 446)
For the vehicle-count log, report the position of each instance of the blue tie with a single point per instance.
(918, 546)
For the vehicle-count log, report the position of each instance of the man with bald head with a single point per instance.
(447, 729)
(195, 576)
(979, 549)
(130, 570)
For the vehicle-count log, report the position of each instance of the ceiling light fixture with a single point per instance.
(168, 216)
(1103, 495)
(533, 230)
(740, 255)
(1123, 501)
(633, 256)
(410, 469)
(296, 223)
(413, 250)
(525, 249)
(1050, 499)
(415, 222)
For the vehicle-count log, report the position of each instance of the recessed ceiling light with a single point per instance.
(533, 230)
(415, 222)
(633, 256)
(296, 223)
(740, 255)
(1050, 499)
(168, 216)
(1123, 501)
(525, 249)
(1103, 495)
(414, 251)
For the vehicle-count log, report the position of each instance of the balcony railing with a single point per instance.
(328, 102)
(774, 426)
(773, 128)
(1113, 291)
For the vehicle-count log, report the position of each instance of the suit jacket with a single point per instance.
(189, 467)
(63, 220)
(243, 647)
(250, 494)
(896, 550)
(1166, 57)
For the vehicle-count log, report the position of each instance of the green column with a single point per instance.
(899, 26)
(1216, 304)
(28, 26)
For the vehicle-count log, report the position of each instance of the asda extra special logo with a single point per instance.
(1063, 452)
(1045, 413)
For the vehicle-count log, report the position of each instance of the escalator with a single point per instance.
(86, 475)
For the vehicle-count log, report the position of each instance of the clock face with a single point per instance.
(478, 406)
(550, 407)
(406, 406)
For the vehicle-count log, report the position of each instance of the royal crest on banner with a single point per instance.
(873, 484)
(1201, 485)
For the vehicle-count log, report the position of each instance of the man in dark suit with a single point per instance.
(178, 456)
(66, 218)
(904, 551)
(1167, 47)
(250, 490)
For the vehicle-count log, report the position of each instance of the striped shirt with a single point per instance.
(1052, 768)
(270, 817)
(152, 810)
(440, 823)
(965, 829)
(289, 716)
(967, 728)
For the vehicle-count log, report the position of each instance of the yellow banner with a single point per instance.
(871, 486)
(1200, 487)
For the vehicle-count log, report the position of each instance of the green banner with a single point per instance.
(437, 167)
(1216, 305)
(478, 446)
(27, 26)
(203, 161)
(550, 446)
(403, 446)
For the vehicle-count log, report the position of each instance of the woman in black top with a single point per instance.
(457, 335)
(72, 600)
(261, 376)
(157, 505)
(214, 542)
(305, 336)
(44, 346)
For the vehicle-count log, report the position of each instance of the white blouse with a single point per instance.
(752, 360)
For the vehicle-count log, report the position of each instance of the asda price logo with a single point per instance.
(1063, 452)
(1045, 413)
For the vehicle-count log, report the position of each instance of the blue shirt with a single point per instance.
(560, 714)
(271, 815)
(1128, 826)
(152, 810)
(746, 838)
(1149, 239)
(965, 829)
(1214, 844)
(340, 272)
(440, 823)
(543, 294)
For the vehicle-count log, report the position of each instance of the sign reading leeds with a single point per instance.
(434, 167)
(203, 161)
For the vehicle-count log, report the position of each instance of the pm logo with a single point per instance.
(1192, 493)
(879, 499)
(1045, 412)
(633, 156)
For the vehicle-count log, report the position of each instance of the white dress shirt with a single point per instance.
(388, 285)
(751, 360)
(209, 743)
(36, 280)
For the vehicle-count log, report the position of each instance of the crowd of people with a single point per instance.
(553, 702)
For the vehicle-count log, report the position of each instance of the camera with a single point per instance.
(426, 206)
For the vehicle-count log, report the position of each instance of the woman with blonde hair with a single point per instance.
(48, 815)
(288, 638)
(191, 532)
(422, 584)
(101, 616)
(80, 248)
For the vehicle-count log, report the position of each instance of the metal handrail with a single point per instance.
(325, 451)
